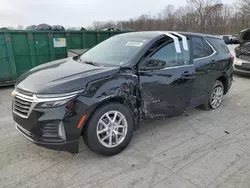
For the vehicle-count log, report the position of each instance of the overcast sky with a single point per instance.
(77, 12)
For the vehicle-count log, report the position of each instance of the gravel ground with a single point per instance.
(200, 149)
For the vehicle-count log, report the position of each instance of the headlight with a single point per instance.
(53, 104)
(51, 97)
(55, 100)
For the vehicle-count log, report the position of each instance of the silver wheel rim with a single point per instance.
(112, 129)
(216, 97)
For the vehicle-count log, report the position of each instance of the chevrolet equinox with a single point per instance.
(103, 94)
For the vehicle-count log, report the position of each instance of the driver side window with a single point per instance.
(168, 54)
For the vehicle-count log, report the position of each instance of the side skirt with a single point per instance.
(201, 100)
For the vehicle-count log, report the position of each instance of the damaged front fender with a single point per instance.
(121, 87)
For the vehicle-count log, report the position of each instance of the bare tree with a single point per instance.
(244, 6)
(202, 10)
(207, 16)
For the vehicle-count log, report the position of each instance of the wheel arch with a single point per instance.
(115, 99)
(223, 79)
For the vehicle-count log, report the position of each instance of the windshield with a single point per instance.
(115, 51)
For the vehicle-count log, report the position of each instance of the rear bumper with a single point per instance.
(72, 146)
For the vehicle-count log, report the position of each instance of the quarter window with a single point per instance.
(201, 48)
(220, 44)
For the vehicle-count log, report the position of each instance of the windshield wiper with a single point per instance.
(91, 63)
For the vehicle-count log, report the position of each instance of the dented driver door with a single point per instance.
(166, 79)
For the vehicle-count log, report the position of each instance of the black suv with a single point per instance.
(106, 92)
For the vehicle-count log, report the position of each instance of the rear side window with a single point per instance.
(219, 44)
(201, 48)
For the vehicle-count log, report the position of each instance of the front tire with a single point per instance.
(110, 129)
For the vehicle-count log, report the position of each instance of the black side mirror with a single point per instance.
(154, 64)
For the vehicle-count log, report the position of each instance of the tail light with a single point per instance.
(232, 58)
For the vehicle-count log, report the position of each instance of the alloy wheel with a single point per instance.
(216, 97)
(112, 129)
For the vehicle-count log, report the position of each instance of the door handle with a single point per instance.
(187, 76)
(186, 73)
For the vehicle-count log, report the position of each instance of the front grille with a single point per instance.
(21, 106)
(24, 92)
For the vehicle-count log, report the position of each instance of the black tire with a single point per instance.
(207, 104)
(216, 85)
(90, 134)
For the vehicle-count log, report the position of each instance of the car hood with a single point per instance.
(62, 76)
(244, 36)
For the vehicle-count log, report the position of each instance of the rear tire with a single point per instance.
(110, 129)
(214, 100)
(216, 95)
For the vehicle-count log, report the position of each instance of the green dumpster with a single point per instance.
(22, 50)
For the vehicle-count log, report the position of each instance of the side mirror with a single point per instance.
(154, 64)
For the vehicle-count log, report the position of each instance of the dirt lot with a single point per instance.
(203, 149)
